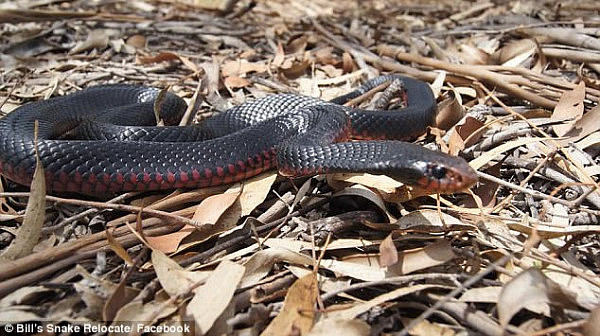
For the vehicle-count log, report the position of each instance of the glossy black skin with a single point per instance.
(102, 140)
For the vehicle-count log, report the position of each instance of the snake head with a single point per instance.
(443, 178)
(433, 171)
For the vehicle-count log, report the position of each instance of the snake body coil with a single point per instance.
(102, 140)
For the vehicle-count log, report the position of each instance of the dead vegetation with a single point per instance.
(518, 91)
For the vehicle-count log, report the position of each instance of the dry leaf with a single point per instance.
(431, 255)
(471, 131)
(261, 263)
(560, 215)
(363, 192)
(168, 56)
(295, 69)
(351, 327)
(365, 306)
(235, 82)
(226, 214)
(492, 154)
(366, 266)
(427, 220)
(117, 299)
(364, 272)
(298, 313)
(288, 244)
(95, 291)
(255, 191)
(223, 211)
(213, 207)
(426, 328)
(24, 296)
(279, 56)
(212, 70)
(481, 294)
(473, 55)
(149, 312)
(405, 194)
(486, 190)
(297, 44)
(496, 233)
(173, 278)
(170, 242)
(528, 288)
(242, 67)
(523, 51)
(96, 39)
(549, 232)
(592, 325)
(520, 59)
(348, 64)
(35, 214)
(513, 49)
(118, 248)
(588, 124)
(450, 112)
(438, 83)
(326, 56)
(100, 286)
(589, 141)
(211, 299)
(18, 314)
(388, 255)
(577, 289)
(569, 109)
(136, 41)
(382, 183)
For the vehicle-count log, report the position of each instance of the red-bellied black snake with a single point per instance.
(123, 151)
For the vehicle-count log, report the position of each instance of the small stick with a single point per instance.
(169, 217)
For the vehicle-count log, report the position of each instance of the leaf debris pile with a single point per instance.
(517, 88)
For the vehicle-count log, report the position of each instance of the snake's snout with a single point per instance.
(442, 178)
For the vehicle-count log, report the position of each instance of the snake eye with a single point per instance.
(439, 172)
